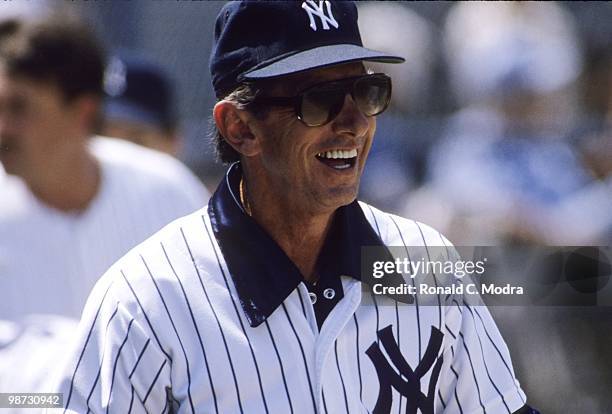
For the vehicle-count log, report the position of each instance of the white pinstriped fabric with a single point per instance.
(164, 331)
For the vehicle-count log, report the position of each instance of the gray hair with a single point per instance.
(242, 97)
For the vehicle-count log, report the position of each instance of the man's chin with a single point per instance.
(342, 196)
(13, 166)
(7, 164)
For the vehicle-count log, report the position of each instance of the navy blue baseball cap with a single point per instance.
(257, 39)
(138, 90)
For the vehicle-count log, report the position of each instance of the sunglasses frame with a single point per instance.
(297, 100)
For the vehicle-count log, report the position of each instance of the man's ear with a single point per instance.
(233, 123)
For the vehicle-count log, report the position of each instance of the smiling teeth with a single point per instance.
(338, 154)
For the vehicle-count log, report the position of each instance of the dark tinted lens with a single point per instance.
(319, 104)
(372, 94)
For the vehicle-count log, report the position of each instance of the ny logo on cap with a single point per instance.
(313, 9)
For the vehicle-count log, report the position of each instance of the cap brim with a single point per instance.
(317, 58)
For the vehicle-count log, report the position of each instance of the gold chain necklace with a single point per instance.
(243, 198)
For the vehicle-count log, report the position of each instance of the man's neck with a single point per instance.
(70, 182)
(300, 238)
(300, 234)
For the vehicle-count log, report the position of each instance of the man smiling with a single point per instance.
(298, 174)
(254, 304)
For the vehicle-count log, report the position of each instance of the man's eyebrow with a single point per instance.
(295, 84)
(288, 86)
(302, 82)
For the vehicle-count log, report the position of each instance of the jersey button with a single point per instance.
(329, 293)
(313, 297)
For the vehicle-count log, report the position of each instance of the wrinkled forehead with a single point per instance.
(293, 84)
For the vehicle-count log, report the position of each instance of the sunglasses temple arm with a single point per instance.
(277, 101)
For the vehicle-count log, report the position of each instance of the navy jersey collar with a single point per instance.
(262, 273)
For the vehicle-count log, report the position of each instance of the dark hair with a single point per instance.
(243, 97)
(57, 49)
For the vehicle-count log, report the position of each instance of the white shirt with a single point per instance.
(50, 260)
(31, 351)
(180, 322)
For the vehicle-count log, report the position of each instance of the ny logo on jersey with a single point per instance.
(410, 387)
(313, 9)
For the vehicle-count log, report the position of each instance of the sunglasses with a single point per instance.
(319, 104)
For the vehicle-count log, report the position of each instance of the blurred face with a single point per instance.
(318, 167)
(35, 123)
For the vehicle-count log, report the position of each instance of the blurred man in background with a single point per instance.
(505, 162)
(139, 103)
(70, 205)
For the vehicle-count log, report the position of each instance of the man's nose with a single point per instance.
(351, 120)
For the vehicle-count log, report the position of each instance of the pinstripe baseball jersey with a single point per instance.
(210, 316)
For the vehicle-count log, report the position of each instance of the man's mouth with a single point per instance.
(338, 159)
